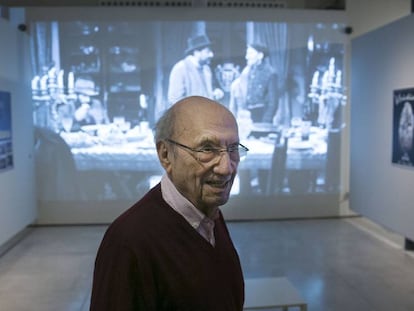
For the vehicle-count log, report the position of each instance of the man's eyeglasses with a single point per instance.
(207, 154)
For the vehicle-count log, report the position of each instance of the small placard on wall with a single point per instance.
(6, 146)
(403, 127)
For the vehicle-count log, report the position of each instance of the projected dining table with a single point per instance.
(135, 151)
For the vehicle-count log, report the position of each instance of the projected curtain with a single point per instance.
(41, 46)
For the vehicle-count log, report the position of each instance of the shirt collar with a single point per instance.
(181, 205)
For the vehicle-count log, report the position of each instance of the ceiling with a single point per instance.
(290, 4)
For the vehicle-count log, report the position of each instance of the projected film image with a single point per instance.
(99, 87)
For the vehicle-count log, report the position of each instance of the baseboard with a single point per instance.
(9, 244)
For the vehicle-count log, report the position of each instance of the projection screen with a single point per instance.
(103, 76)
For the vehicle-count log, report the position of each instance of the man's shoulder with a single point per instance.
(143, 225)
(141, 214)
(180, 64)
(266, 68)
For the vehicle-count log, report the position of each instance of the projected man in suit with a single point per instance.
(255, 91)
(192, 75)
(256, 88)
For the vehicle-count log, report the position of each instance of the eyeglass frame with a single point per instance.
(217, 151)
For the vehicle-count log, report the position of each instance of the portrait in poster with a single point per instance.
(6, 150)
(403, 127)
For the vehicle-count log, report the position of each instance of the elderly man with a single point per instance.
(172, 250)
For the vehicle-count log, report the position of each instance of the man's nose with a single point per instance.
(224, 165)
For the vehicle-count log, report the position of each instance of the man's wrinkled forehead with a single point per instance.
(203, 116)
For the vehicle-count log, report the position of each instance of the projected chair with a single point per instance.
(55, 167)
(276, 177)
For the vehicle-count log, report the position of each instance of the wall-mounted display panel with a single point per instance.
(403, 127)
(6, 144)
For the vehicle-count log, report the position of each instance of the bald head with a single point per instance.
(189, 112)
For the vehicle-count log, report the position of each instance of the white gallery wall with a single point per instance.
(368, 15)
(382, 61)
(17, 187)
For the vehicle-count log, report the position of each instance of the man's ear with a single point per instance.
(164, 155)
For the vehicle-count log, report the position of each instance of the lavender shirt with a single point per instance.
(200, 222)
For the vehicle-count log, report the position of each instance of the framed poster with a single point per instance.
(6, 148)
(403, 127)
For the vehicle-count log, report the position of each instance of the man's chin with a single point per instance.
(217, 196)
(218, 200)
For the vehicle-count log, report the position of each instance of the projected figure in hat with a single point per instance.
(89, 109)
(256, 88)
(192, 75)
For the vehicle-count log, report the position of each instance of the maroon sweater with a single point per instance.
(152, 259)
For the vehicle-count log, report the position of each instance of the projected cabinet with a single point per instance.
(123, 78)
(108, 55)
(81, 53)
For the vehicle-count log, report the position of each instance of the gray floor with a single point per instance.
(336, 264)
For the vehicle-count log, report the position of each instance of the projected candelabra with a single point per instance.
(326, 97)
(48, 91)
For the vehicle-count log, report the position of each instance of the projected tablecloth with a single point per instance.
(123, 154)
